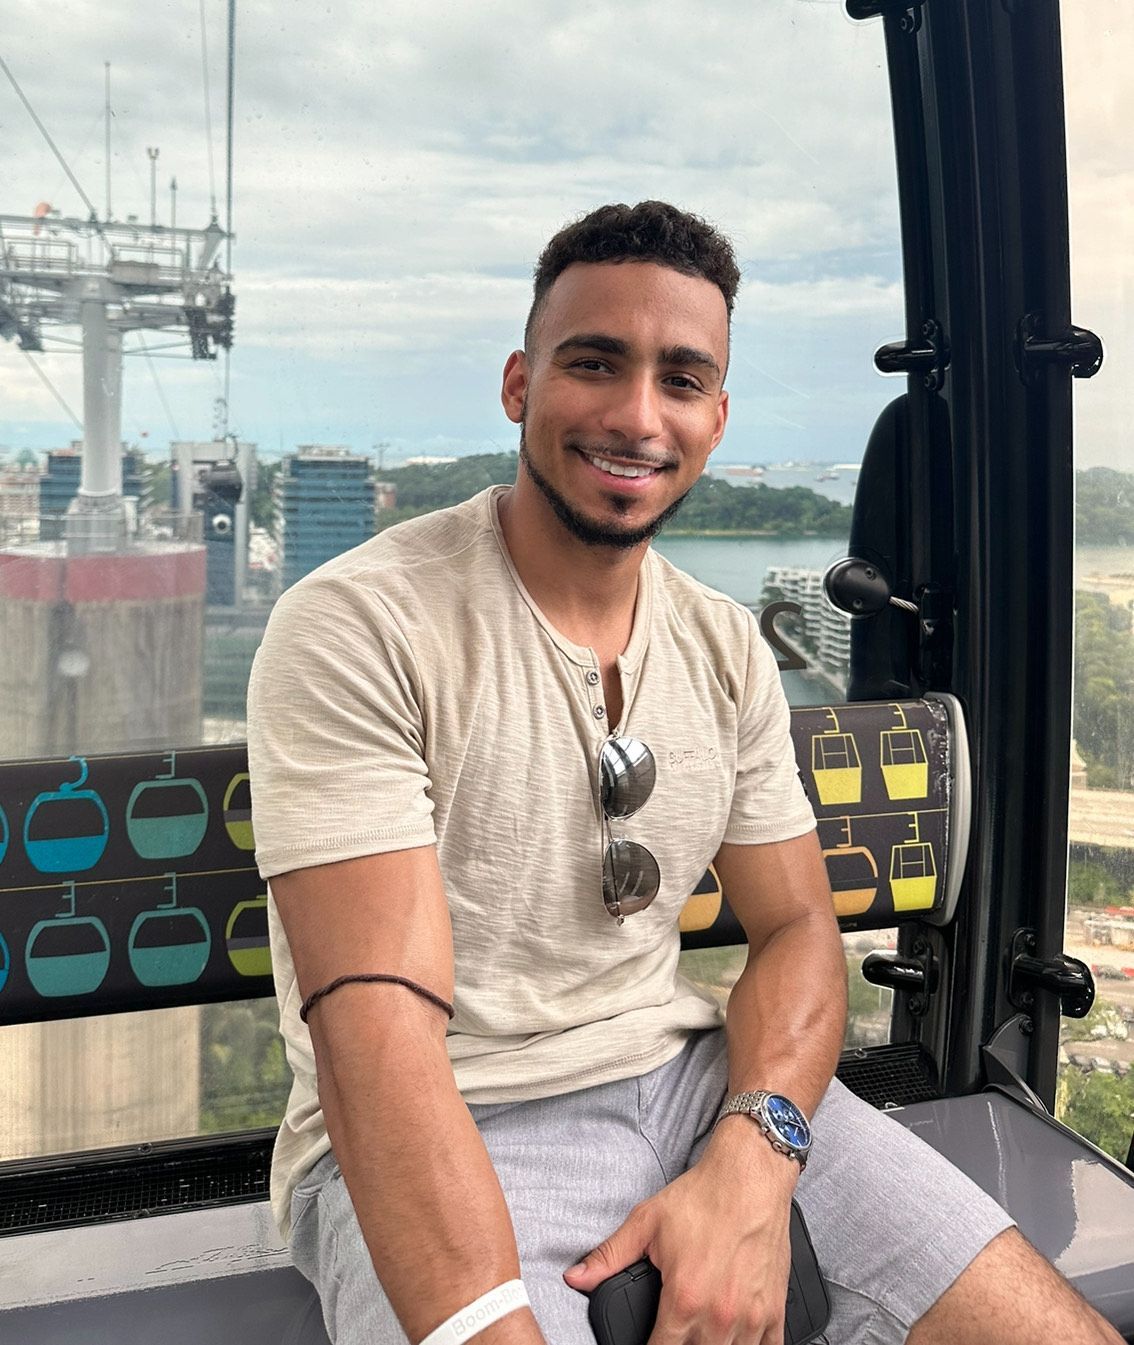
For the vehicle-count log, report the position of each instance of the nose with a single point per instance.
(634, 410)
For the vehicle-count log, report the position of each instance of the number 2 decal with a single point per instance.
(790, 660)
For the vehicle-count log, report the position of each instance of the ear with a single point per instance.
(514, 389)
(722, 420)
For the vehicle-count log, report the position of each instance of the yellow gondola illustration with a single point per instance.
(853, 873)
(246, 937)
(238, 812)
(905, 766)
(836, 765)
(913, 872)
(704, 904)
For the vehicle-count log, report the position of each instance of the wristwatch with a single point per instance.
(779, 1119)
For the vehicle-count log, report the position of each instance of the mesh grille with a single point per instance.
(890, 1076)
(132, 1185)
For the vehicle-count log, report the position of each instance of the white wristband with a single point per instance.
(480, 1314)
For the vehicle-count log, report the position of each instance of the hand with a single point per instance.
(719, 1236)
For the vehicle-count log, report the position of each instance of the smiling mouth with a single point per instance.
(623, 469)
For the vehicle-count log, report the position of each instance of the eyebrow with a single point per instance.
(612, 345)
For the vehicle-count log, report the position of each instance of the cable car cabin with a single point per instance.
(938, 767)
(177, 1237)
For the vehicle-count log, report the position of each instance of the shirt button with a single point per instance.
(600, 712)
(592, 678)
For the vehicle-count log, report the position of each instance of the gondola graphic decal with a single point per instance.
(877, 775)
(67, 954)
(169, 944)
(66, 829)
(246, 938)
(167, 817)
(4, 835)
(836, 767)
(160, 900)
(238, 811)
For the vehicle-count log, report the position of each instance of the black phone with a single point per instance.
(623, 1309)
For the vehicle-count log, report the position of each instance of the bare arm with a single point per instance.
(423, 1187)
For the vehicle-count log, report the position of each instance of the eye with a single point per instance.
(683, 383)
(591, 364)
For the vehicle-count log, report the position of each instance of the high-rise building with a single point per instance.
(324, 506)
(60, 484)
(825, 628)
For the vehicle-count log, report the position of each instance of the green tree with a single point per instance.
(245, 1078)
(1104, 507)
(1092, 885)
(261, 500)
(1104, 690)
(1099, 1106)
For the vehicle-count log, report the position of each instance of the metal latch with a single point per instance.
(915, 974)
(1075, 348)
(870, 9)
(1064, 976)
(928, 356)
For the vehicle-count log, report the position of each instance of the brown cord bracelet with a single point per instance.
(316, 995)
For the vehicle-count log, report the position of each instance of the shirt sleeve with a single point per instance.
(335, 732)
(768, 803)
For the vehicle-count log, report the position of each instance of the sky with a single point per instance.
(398, 168)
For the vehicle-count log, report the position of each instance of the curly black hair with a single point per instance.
(651, 231)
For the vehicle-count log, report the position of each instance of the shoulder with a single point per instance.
(401, 573)
(703, 610)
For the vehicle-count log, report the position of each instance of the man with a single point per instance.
(461, 737)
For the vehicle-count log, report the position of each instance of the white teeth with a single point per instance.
(616, 470)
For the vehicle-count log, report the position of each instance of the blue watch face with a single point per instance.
(788, 1121)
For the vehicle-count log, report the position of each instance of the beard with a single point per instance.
(585, 529)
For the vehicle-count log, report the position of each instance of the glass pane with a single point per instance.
(397, 171)
(1096, 1082)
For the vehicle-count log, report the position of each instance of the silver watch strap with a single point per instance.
(748, 1104)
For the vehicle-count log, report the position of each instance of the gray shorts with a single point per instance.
(893, 1223)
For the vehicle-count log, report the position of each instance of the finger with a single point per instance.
(624, 1246)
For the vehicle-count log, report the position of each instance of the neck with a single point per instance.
(584, 591)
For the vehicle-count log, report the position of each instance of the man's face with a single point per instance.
(620, 395)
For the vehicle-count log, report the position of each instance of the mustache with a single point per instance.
(598, 448)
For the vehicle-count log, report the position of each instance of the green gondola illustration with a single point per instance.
(905, 766)
(167, 817)
(238, 812)
(246, 938)
(67, 954)
(169, 944)
(66, 830)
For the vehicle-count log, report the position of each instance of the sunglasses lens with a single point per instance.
(627, 772)
(630, 877)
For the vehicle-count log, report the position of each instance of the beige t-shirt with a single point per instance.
(411, 693)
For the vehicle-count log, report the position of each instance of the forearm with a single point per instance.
(787, 1013)
(423, 1187)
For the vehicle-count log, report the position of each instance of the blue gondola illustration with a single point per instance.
(238, 812)
(170, 944)
(5, 835)
(72, 827)
(5, 962)
(68, 954)
(246, 938)
(167, 817)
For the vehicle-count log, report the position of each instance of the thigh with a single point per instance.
(571, 1169)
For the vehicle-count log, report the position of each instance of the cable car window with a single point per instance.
(1096, 1080)
(192, 420)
